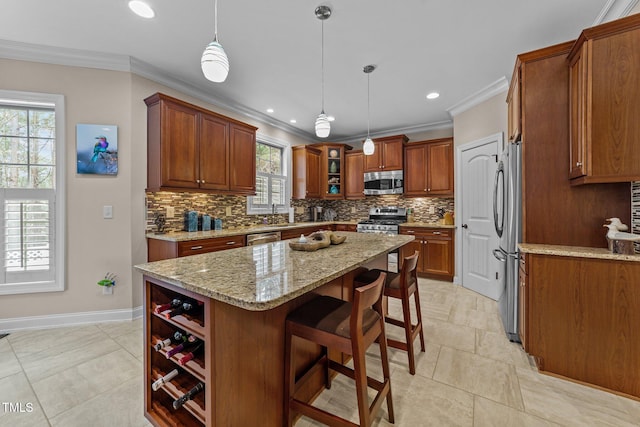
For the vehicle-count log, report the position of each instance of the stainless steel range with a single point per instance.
(385, 220)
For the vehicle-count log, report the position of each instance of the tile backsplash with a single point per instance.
(216, 205)
(635, 210)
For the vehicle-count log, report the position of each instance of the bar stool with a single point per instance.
(401, 286)
(347, 327)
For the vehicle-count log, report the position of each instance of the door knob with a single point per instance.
(465, 226)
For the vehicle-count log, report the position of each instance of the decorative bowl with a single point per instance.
(333, 153)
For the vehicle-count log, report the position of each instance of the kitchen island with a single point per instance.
(243, 296)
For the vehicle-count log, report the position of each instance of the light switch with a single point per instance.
(107, 212)
(228, 211)
(432, 209)
(353, 209)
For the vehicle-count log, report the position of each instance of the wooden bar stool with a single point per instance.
(401, 286)
(347, 327)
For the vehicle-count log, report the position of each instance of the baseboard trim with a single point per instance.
(68, 319)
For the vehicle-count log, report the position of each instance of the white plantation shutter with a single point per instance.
(271, 180)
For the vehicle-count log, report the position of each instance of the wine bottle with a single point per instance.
(178, 348)
(187, 306)
(192, 351)
(188, 395)
(163, 307)
(162, 381)
(178, 337)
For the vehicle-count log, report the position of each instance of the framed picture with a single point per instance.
(97, 149)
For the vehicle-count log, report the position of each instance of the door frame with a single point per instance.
(498, 140)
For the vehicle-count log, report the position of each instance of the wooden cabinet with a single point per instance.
(306, 172)
(546, 187)
(319, 171)
(346, 227)
(514, 116)
(190, 148)
(523, 301)
(163, 249)
(582, 320)
(605, 103)
(296, 232)
(388, 154)
(354, 175)
(159, 404)
(436, 247)
(429, 168)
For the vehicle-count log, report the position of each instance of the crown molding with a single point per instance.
(614, 9)
(445, 124)
(495, 88)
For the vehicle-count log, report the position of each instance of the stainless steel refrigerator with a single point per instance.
(507, 215)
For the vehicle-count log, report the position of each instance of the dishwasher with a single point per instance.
(260, 238)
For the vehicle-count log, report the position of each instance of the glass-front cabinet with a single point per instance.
(332, 170)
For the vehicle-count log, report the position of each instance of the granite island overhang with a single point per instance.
(245, 295)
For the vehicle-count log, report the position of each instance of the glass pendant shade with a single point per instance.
(368, 147)
(215, 64)
(323, 126)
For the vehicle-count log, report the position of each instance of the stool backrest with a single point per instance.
(409, 270)
(365, 297)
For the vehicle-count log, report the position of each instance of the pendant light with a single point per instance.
(368, 147)
(323, 126)
(214, 62)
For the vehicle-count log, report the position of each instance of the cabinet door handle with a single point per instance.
(410, 232)
(578, 164)
(428, 189)
(198, 181)
(194, 248)
(231, 243)
(202, 182)
(436, 233)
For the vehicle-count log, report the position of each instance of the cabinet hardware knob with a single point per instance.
(202, 182)
(194, 248)
(578, 164)
(198, 181)
(425, 189)
(428, 189)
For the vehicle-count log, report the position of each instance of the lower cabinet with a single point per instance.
(523, 300)
(163, 249)
(581, 319)
(296, 232)
(436, 248)
(346, 227)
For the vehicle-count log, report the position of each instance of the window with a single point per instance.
(31, 191)
(271, 180)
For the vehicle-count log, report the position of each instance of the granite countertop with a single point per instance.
(265, 276)
(182, 236)
(575, 251)
(427, 225)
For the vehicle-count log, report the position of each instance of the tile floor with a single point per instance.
(470, 375)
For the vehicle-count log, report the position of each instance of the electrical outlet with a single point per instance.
(432, 209)
(107, 290)
(299, 210)
(107, 212)
(353, 210)
(171, 212)
(228, 210)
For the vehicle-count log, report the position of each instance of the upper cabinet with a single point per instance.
(429, 168)
(319, 171)
(514, 125)
(306, 172)
(193, 149)
(354, 175)
(388, 154)
(604, 98)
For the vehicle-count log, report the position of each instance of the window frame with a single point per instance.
(57, 101)
(286, 172)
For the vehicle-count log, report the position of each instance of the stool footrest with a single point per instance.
(319, 414)
(344, 370)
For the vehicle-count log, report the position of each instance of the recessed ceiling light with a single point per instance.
(293, 121)
(142, 9)
(331, 118)
(433, 95)
(269, 110)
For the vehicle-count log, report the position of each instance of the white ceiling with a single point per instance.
(455, 47)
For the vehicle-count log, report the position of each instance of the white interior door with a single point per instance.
(477, 164)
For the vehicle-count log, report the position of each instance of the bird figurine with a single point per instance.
(100, 147)
(614, 234)
(618, 224)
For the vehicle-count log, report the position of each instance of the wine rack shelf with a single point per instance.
(159, 409)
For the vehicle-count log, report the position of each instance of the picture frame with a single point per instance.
(96, 149)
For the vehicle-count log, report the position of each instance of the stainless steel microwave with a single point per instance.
(387, 182)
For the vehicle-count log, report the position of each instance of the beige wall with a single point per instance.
(96, 245)
(483, 120)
